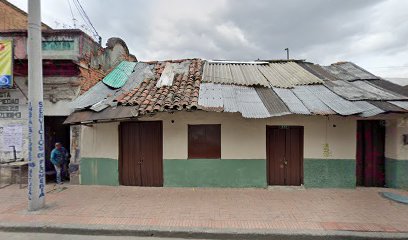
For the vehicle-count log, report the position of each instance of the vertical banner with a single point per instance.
(6, 63)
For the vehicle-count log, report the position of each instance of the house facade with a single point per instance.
(72, 63)
(12, 17)
(195, 123)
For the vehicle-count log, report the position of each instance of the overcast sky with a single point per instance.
(371, 33)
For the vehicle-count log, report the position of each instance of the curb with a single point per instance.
(196, 233)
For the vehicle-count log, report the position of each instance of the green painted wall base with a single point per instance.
(99, 171)
(215, 173)
(396, 173)
(329, 173)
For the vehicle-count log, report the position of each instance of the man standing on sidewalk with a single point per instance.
(59, 157)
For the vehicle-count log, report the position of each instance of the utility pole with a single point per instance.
(36, 158)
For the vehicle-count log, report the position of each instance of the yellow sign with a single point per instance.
(6, 63)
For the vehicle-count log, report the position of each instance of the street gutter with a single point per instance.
(195, 233)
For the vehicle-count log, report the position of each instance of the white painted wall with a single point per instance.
(100, 140)
(60, 108)
(394, 147)
(246, 138)
(240, 138)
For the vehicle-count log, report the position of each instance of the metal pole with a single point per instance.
(287, 53)
(36, 169)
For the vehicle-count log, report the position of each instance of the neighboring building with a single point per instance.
(12, 17)
(72, 63)
(195, 123)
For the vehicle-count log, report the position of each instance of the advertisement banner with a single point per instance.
(6, 63)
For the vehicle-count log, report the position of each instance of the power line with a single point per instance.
(72, 14)
(80, 13)
(85, 17)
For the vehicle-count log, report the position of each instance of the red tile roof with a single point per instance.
(182, 94)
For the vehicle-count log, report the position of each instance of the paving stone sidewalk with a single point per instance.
(360, 210)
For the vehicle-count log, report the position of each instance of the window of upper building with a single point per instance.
(204, 141)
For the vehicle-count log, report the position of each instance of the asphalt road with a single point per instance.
(52, 236)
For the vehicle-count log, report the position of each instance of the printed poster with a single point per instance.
(6, 63)
(11, 135)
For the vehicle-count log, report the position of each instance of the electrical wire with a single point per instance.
(85, 17)
(72, 13)
(80, 13)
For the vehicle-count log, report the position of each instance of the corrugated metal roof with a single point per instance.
(232, 98)
(282, 74)
(275, 78)
(238, 77)
(249, 103)
(229, 98)
(119, 112)
(390, 86)
(251, 71)
(101, 94)
(350, 91)
(387, 107)
(339, 73)
(119, 75)
(287, 75)
(96, 94)
(292, 102)
(313, 104)
(369, 109)
(401, 104)
(357, 72)
(141, 72)
(318, 71)
(302, 76)
(210, 96)
(217, 73)
(334, 101)
(272, 102)
(233, 73)
(382, 93)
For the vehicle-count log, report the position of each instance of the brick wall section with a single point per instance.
(89, 77)
(12, 17)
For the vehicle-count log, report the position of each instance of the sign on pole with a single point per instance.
(6, 63)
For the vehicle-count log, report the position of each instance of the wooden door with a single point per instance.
(141, 154)
(370, 153)
(284, 155)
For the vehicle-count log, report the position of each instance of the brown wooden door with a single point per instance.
(284, 155)
(141, 154)
(370, 153)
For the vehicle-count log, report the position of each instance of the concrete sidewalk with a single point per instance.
(215, 213)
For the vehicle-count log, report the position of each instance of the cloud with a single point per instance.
(371, 33)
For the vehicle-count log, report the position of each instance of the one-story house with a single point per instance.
(199, 123)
